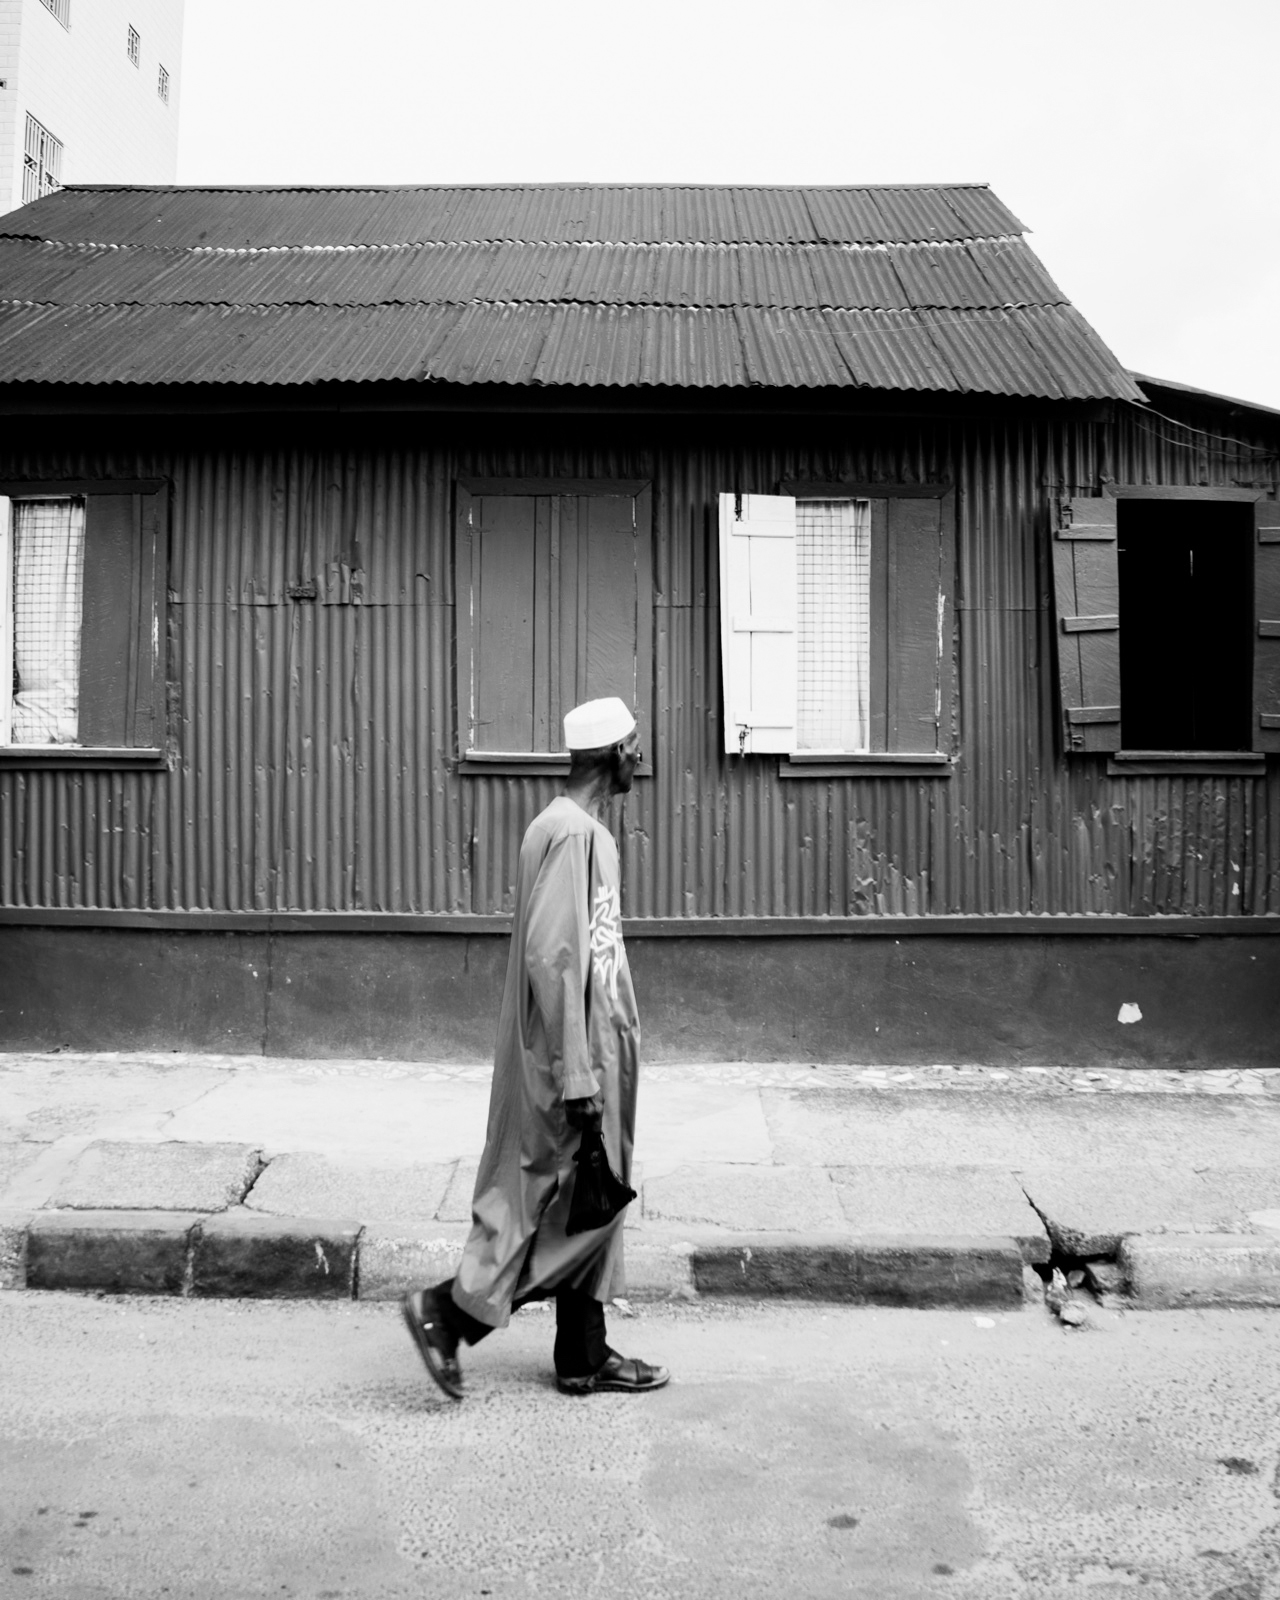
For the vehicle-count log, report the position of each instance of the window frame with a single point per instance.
(520, 763)
(938, 763)
(47, 175)
(162, 83)
(149, 578)
(1122, 761)
(133, 46)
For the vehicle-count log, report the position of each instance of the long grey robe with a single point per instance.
(568, 1030)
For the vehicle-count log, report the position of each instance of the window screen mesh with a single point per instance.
(48, 571)
(833, 584)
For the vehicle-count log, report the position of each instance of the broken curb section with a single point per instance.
(240, 1253)
(754, 1184)
(244, 1254)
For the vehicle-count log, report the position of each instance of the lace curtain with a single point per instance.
(48, 571)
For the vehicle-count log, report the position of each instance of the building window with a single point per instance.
(162, 85)
(1185, 687)
(133, 45)
(42, 162)
(61, 9)
(555, 606)
(1168, 623)
(82, 578)
(835, 625)
(48, 572)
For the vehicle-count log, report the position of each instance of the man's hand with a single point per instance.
(585, 1114)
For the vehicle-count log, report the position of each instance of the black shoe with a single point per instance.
(624, 1373)
(436, 1345)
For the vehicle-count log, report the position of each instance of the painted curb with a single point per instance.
(246, 1254)
(1170, 1271)
(875, 1270)
(240, 1253)
(14, 1225)
(119, 1252)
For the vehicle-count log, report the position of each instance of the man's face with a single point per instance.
(627, 756)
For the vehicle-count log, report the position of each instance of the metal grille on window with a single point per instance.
(48, 576)
(162, 86)
(42, 162)
(133, 45)
(61, 9)
(833, 624)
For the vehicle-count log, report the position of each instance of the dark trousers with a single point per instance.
(580, 1347)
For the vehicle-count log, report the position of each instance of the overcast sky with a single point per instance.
(1136, 139)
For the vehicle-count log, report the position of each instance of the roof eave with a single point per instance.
(1152, 387)
(31, 399)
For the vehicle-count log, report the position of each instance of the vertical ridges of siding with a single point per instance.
(314, 741)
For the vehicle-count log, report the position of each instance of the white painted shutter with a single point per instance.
(758, 622)
(6, 619)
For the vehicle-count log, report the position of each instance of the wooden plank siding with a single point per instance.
(314, 743)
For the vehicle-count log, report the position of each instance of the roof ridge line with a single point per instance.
(553, 304)
(852, 245)
(565, 186)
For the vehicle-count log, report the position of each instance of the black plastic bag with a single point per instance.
(598, 1193)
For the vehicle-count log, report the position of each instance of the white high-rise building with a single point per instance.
(89, 93)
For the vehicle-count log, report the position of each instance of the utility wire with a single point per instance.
(1222, 438)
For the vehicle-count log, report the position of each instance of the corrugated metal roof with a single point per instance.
(987, 273)
(926, 288)
(1048, 352)
(552, 213)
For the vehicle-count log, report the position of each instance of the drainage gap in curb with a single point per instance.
(1074, 1281)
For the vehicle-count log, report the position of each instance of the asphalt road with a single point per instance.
(236, 1449)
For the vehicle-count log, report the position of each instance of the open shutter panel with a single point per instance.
(758, 622)
(1266, 638)
(6, 619)
(121, 640)
(1086, 583)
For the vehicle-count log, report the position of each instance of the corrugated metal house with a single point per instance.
(956, 647)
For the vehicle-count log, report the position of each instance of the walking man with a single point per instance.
(567, 1060)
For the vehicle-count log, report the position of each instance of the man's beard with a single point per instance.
(621, 772)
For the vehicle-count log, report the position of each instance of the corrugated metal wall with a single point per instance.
(315, 743)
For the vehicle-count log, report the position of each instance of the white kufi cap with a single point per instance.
(597, 723)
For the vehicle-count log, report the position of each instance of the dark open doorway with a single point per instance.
(1185, 610)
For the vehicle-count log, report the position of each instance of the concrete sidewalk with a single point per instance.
(216, 1175)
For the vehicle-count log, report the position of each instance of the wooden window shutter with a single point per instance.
(6, 618)
(758, 622)
(1266, 638)
(122, 641)
(912, 568)
(554, 608)
(1086, 585)
(497, 604)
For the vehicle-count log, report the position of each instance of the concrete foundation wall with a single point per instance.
(1010, 999)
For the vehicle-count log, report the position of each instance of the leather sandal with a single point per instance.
(627, 1374)
(437, 1347)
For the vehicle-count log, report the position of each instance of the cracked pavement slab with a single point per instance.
(752, 1199)
(980, 1201)
(119, 1097)
(169, 1176)
(393, 1120)
(840, 1127)
(1090, 1209)
(309, 1185)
